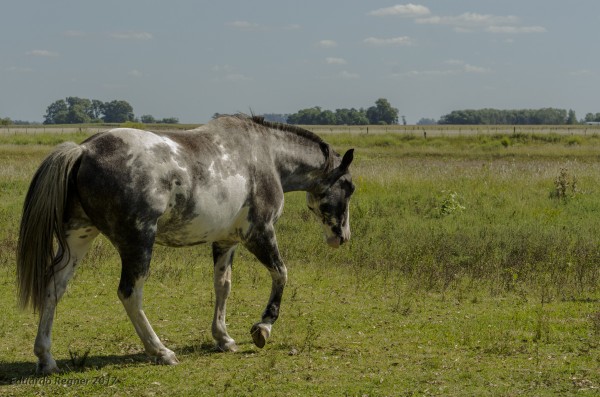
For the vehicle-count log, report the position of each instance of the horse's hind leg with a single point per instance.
(222, 256)
(79, 240)
(135, 265)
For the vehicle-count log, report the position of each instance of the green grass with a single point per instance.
(473, 270)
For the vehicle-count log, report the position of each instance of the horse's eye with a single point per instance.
(326, 208)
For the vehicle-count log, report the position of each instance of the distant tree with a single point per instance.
(83, 103)
(148, 119)
(308, 116)
(571, 118)
(382, 113)
(170, 120)
(96, 110)
(549, 116)
(57, 112)
(426, 121)
(75, 110)
(351, 117)
(326, 117)
(591, 117)
(77, 114)
(5, 121)
(357, 117)
(118, 112)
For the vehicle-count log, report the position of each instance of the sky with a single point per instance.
(192, 59)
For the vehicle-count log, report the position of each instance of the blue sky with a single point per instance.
(191, 59)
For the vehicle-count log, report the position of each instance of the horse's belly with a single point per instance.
(202, 229)
(210, 214)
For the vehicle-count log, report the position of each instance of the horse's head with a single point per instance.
(329, 199)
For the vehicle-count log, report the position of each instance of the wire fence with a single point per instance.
(426, 130)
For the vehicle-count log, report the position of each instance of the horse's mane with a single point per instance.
(298, 131)
(287, 127)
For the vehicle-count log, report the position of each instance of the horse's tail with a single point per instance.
(42, 221)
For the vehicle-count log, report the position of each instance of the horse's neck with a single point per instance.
(298, 165)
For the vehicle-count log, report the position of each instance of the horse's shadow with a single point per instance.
(24, 371)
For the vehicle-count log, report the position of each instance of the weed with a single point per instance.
(595, 322)
(449, 204)
(78, 361)
(565, 186)
(311, 336)
(505, 141)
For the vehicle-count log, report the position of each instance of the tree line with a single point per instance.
(592, 118)
(548, 116)
(381, 113)
(75, 110)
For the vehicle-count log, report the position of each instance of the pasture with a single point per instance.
(473, 269)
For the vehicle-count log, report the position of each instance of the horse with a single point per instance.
(222, 183)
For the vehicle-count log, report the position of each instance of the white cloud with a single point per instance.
(335, 61)
(131, 35)
(457, 67)
(327, 44)
(470, 20)
(465, 67)
(407, 10)
(415, 73)
(380, 42)
(582, 72)
(43, 53)
(475, 69)
(344, 74)
(516, 29)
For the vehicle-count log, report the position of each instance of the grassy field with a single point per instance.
(473, 270)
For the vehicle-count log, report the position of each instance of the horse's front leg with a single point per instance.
(222, 256)
(264, 247)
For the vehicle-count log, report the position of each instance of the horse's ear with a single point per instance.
(346, 160)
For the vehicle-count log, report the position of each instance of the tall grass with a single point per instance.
(442, 210)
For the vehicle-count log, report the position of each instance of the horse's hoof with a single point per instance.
(260, 333)
(167, 358)
(227, 347)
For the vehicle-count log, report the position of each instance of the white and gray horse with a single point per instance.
(222, 183)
